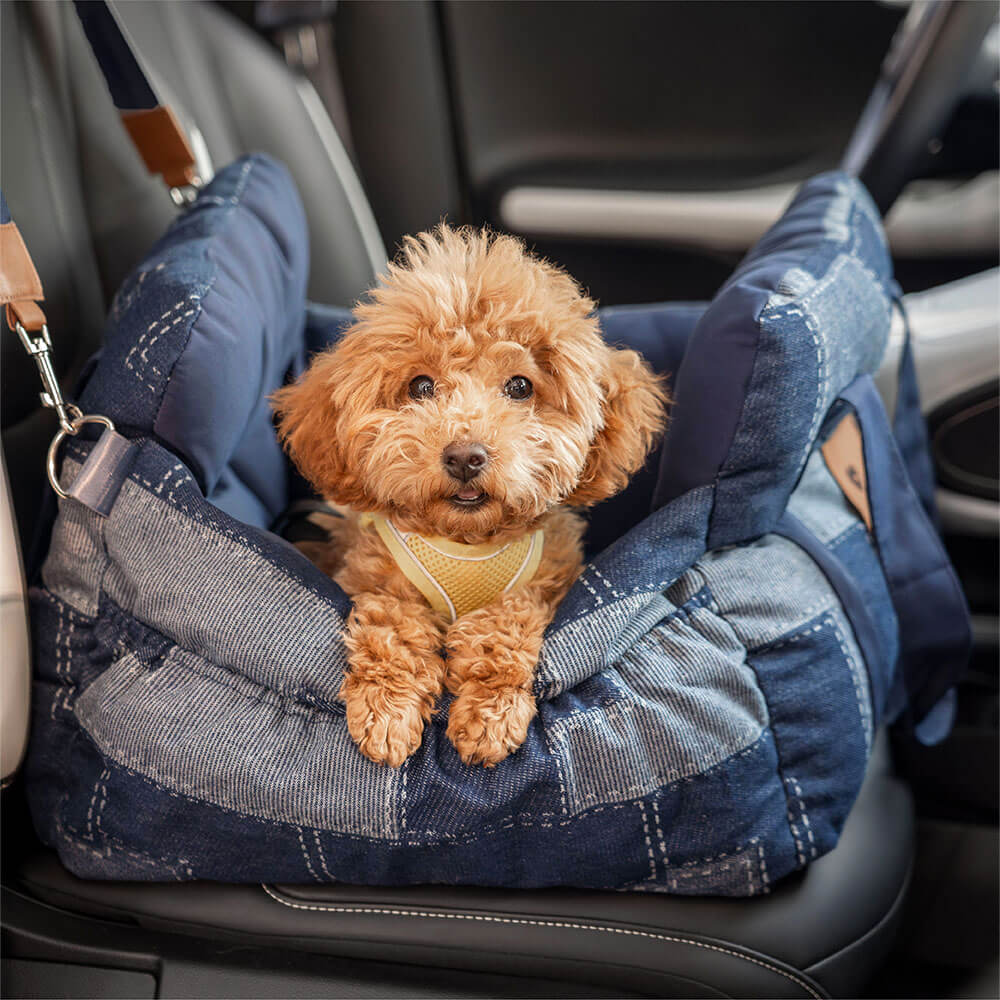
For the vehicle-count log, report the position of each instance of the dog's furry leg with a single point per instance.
(396, 675)
(394, 642)
(492, 655)
(493, 652)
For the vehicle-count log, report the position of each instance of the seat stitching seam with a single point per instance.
(566, 925)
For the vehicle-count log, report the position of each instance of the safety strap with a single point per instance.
(152, 125)
(104, 469)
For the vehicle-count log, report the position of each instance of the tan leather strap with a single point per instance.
(20, 287)
(162, 144)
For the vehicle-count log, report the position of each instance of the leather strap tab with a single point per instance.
(29, 314)
(162, 144)
(20, 286)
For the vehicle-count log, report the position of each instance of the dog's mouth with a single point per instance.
(469, 498)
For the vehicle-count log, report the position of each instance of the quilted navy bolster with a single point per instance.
(208, 326)
(807, 311)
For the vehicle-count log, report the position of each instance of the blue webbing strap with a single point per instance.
(152, 125)
(935, 636)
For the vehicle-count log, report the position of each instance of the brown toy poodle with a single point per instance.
(469, 407)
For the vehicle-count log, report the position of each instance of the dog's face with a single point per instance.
(473, 394)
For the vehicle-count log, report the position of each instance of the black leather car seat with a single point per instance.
(88, 211)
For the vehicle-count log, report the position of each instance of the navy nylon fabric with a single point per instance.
(708, 692)
(206, 328)
(126, 80)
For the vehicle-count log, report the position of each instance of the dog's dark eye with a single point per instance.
(421, 387)
(518, 387)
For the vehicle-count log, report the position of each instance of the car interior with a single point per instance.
(644, 147)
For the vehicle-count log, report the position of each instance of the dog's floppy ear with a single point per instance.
(634, 410)
(313, 423)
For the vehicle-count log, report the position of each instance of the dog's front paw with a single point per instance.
(486, 725)
(387, 725)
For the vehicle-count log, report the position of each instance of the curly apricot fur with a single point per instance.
(471, 310)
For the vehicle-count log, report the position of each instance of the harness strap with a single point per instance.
(455, 578)
(151, 123)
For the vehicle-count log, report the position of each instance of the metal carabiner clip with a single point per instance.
(40, 348)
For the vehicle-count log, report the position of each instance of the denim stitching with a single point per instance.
(802, 812)
(643, 789)
(649, 839)
(564, 924)
(74, 837)
(322, 857)
(858, 526)
(659, 834)
(864, 710)
(305, 854)
(795, 834)
(796, 637)
(402, 799)
(57, 690)
(764, 877)
(102, 777)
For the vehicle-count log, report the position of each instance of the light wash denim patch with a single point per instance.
(76, 560)
(766, 589)
(685, 701)
(205, 732)
(211, 593)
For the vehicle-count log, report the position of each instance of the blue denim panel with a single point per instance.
(249, 602)
(680, 700)
(857, 553)
(816, 335)
(935, 635)
(767, 589)
(76, 560)
(118, 824)
(66, 656)
(645, 560)
(444, 800)
(727, 372)
(590, 642)
(820, 717)
(207, 732)
(819, 503)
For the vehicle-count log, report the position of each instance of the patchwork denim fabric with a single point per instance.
(708, 691)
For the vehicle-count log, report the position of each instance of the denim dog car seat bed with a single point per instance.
(772, 591)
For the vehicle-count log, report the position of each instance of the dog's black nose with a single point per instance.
(464, 461)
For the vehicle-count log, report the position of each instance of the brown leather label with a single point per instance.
(845, 458)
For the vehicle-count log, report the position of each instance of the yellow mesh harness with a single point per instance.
(457, 578)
